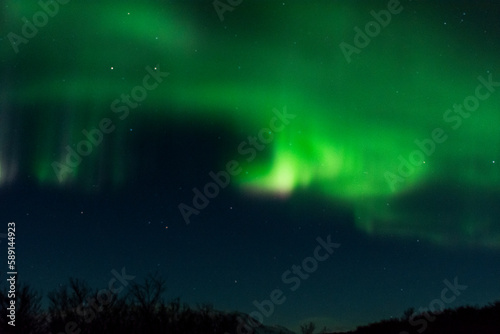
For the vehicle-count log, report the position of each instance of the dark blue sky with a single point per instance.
(237, 252)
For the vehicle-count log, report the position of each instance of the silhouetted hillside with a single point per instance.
(78, 309)
(463, 320)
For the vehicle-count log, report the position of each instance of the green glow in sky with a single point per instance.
(353, 120)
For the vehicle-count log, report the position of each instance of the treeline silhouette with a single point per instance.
(78, 309)
(142, 309)
(462, 320)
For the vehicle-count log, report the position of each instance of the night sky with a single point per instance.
(214, 144)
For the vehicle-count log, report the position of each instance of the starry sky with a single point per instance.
(214, 143)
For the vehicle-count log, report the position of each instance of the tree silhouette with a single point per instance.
(308, 328)
(408, 313)
(29, 317)
(76, 308)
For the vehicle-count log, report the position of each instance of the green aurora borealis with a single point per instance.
(353, 120)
